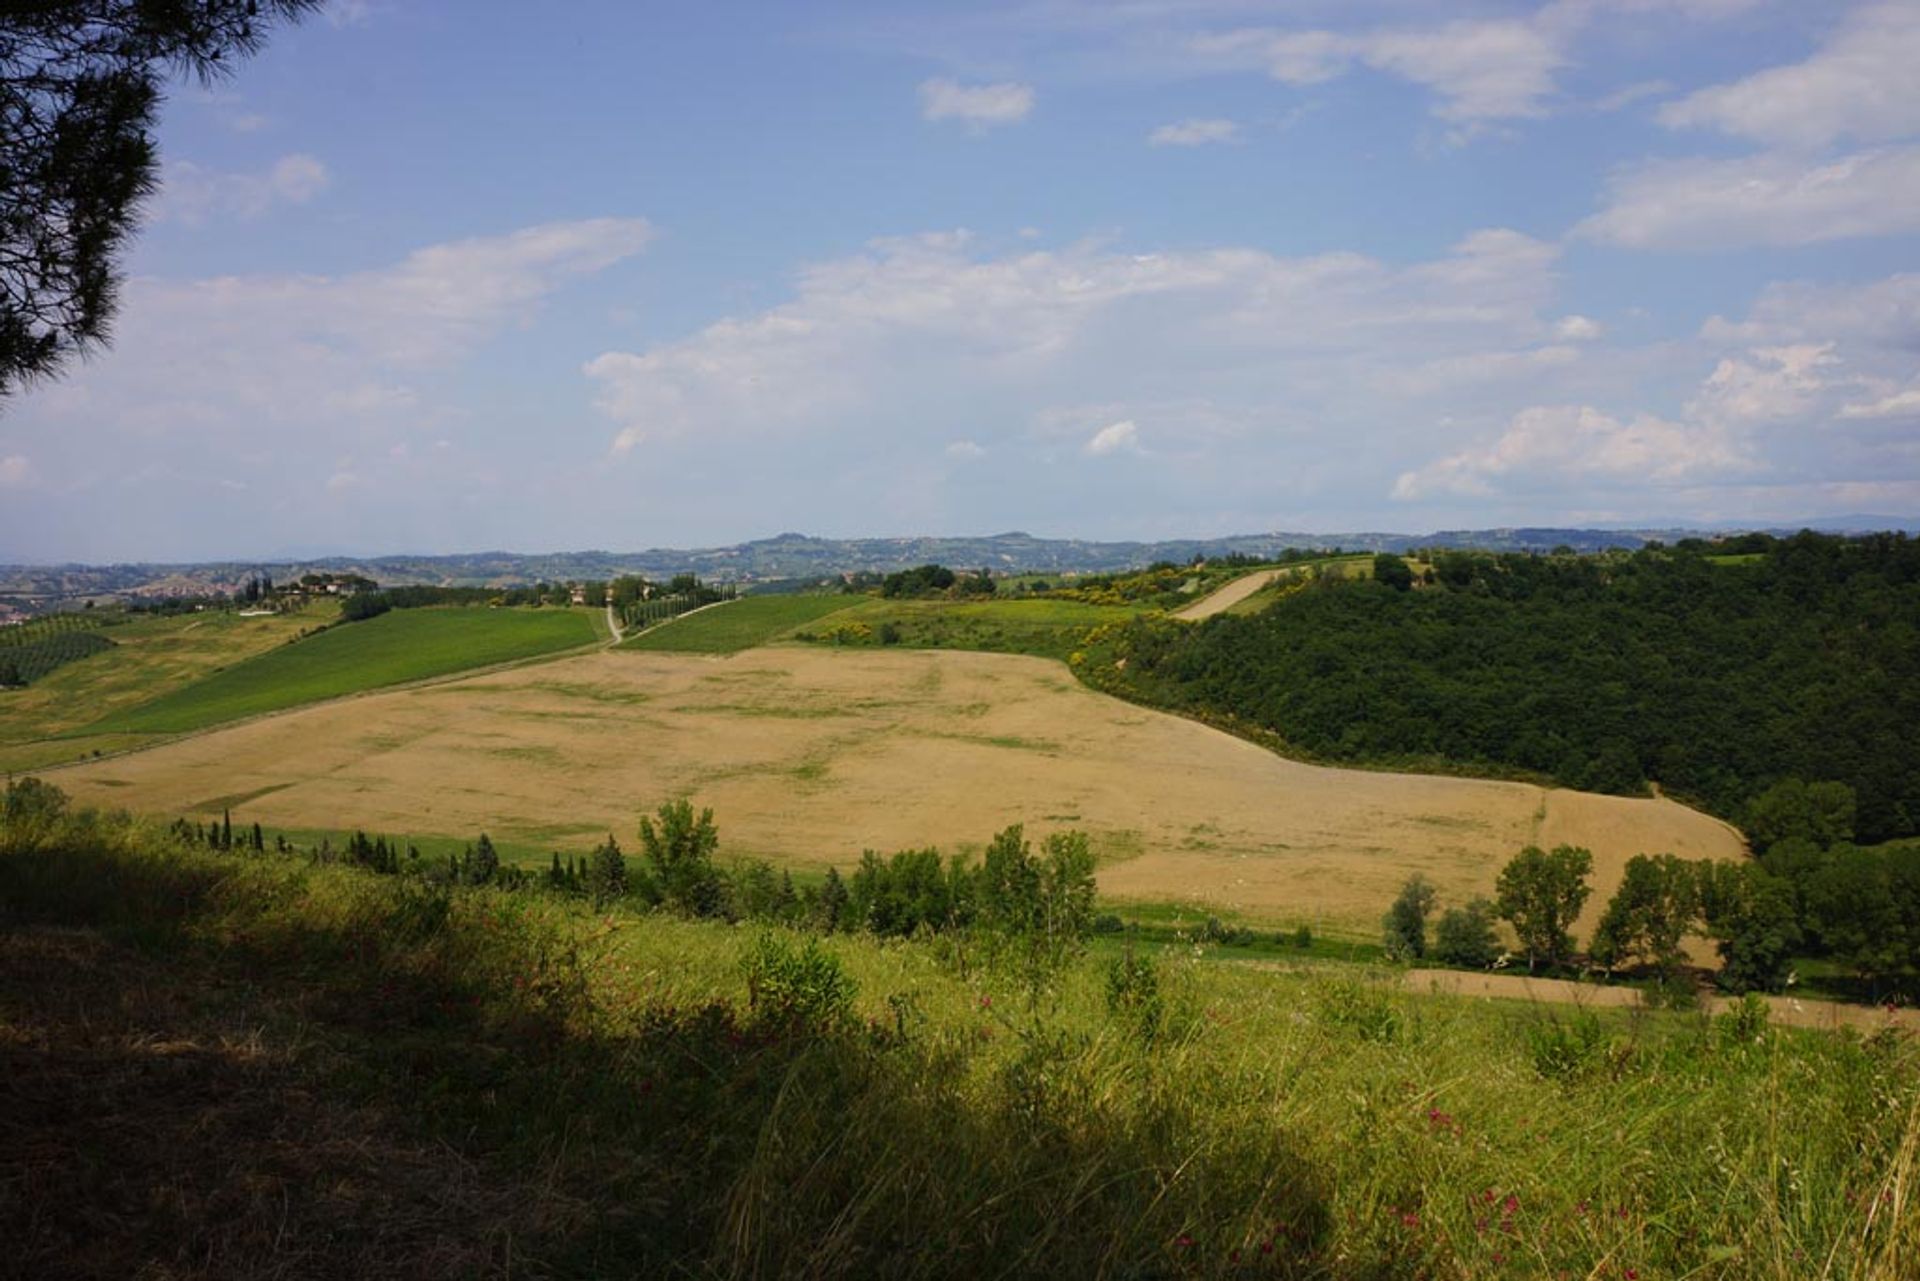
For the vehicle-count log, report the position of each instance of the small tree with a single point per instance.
(1466, 935)
(1539, 894)
(485, 863)
(1405, 925)
(833, 905)
(680, 857)
(606, 872)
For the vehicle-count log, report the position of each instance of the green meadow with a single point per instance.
(735, 625)
(399, 646)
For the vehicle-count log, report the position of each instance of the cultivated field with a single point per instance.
(50, 720)
(732, 626)
(809, 755)
(403, 645)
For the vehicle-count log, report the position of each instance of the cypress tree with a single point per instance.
(226, 829)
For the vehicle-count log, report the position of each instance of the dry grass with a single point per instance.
(808, 756)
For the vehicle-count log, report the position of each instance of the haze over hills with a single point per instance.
(802, 556)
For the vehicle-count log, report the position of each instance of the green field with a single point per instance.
(49, 721)
(403, 645)
(1050, 628)
(737, 625)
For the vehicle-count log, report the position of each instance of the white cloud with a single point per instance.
(978, 106)
(1766, 199)
(16, 472)
(1765, 384)
(1577, 329)
(965, 450)
(1859, 85)
(1899, 404)
(192, 194)
(883, 326)
(310, 363)
(1194, 133)
(1555, 446)
(1480, 70)
(1114, 438)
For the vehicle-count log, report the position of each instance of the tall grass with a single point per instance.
(969, 1120)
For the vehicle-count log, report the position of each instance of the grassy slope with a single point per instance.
(737, 625)
(590, 1087)
(49, 720)
(403, 645)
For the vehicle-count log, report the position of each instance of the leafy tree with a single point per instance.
(606, 872)
(1466, 935)
(1066, 886)
(1393, 571)
(80, 90)
(1649, 914)
(1540, 894)
(679, 855)
(1405, 925)
(1753, 917)
(1793, 809)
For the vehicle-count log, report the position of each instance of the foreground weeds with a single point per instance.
(249, 1065)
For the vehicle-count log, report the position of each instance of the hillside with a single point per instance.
(1713, 674)
(227, 1065)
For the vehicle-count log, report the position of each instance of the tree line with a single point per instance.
(1812, 893)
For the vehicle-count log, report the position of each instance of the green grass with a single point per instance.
(737, 625)
(402, 645)
(1050, 628)
(599, 1080)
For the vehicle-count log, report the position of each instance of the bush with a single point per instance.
(1466, 936)
(1404, 928)
(30, 814)
(1568, 1048)
(1361, 1008)
(1133, 993)
(803, 988)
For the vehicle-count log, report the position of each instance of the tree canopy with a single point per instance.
(80, 88)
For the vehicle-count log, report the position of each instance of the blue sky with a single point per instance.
(436, 277)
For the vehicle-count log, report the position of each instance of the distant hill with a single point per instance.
(802, 556)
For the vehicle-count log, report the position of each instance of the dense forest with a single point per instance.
(1712, 669)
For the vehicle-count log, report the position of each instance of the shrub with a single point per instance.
(30, 814)
(1133, 993)
(797, 988)
(1465, 936)
(1567, 1048)
(1361, 1008)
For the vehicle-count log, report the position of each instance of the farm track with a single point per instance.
(1225, 598)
